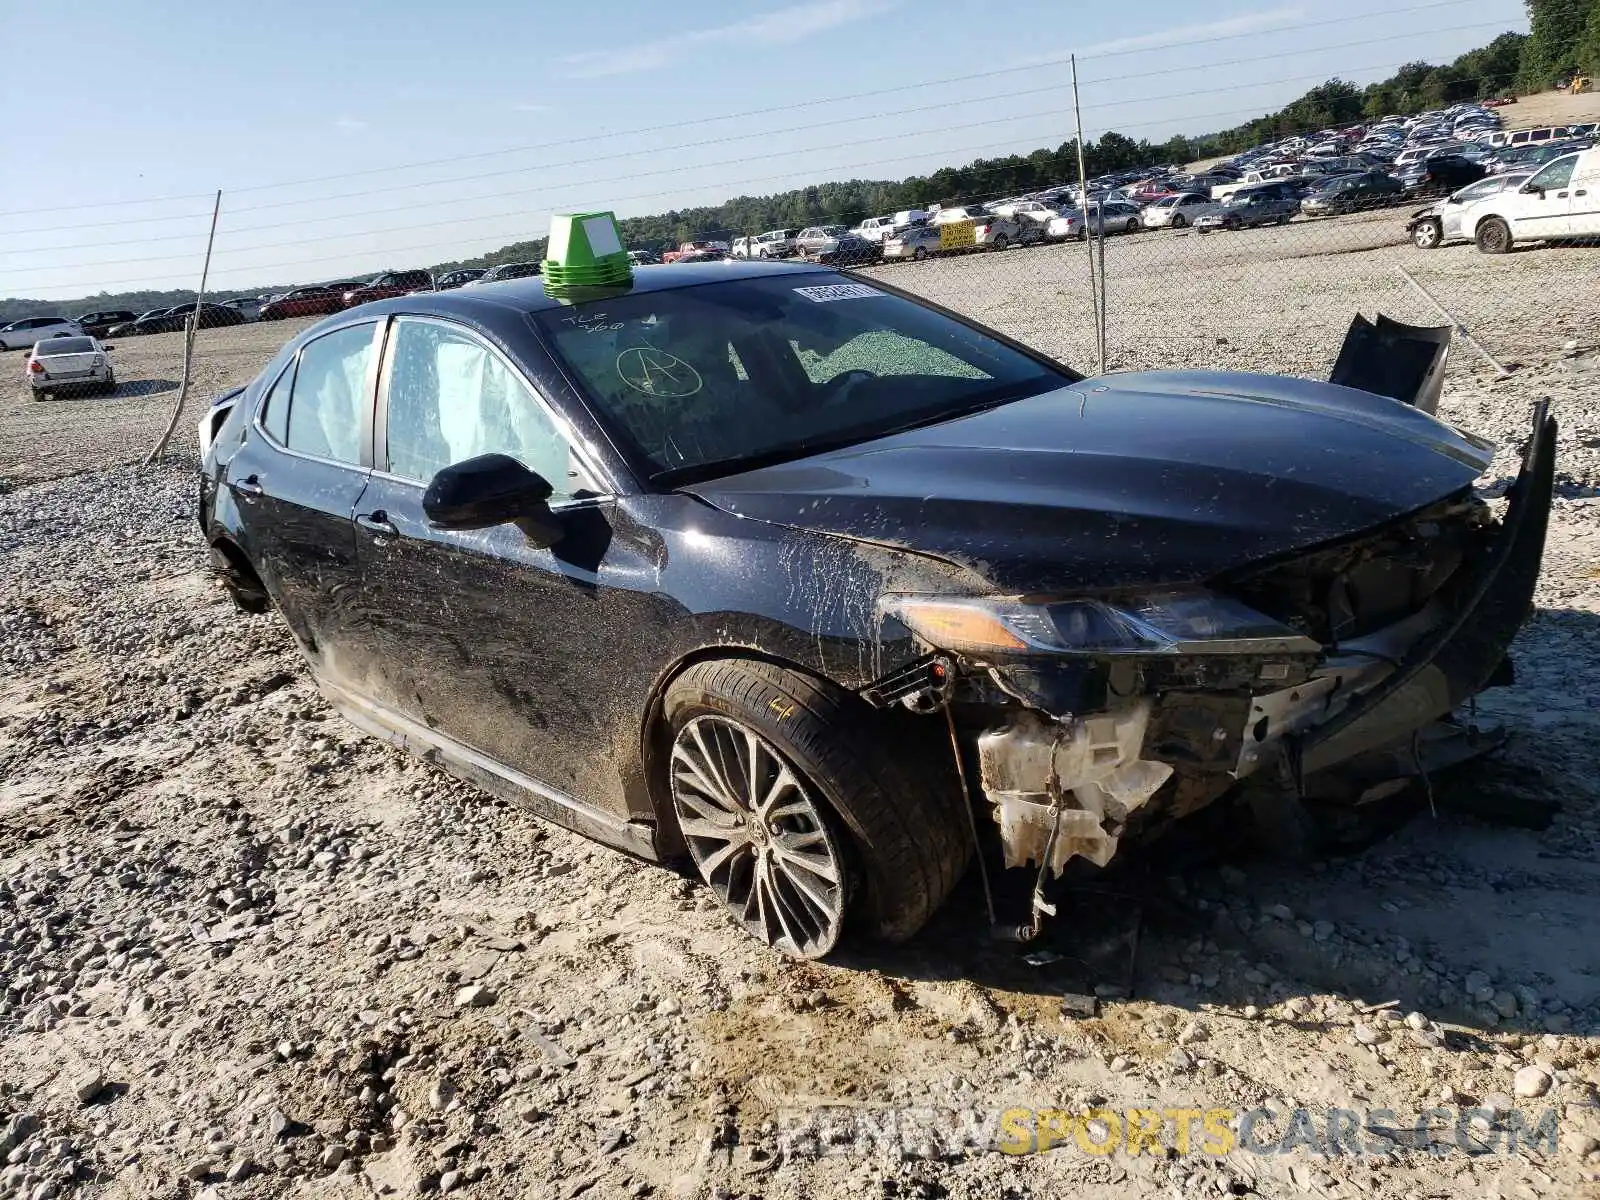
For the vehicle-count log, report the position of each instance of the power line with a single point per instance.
(615, 179)
(455, 242)
(724, 140)
(790, 107)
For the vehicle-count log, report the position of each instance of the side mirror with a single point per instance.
(1529, 189)
(107, 349)
(492, 489)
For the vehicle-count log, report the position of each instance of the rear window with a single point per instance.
(66, 345)
(700, 381)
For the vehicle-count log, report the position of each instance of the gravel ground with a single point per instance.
(246, 952)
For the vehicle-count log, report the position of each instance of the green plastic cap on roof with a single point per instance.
(585, 250)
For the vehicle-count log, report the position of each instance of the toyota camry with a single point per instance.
(828, 589)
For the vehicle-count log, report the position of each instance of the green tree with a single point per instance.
(1555, 28)
(1588, 54)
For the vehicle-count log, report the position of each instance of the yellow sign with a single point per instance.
(957, 235)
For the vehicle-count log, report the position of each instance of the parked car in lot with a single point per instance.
(1440, 222)
(390, 283)
(1177, 211)
(316, 299)
(697, 251)
(1560, 200)
(774, 243)
(451, 280)
(141, 324)
(171, 320)
(643, 258)
(917, 241)
(1441, 173)
(1352, 193)
(505, 271)
(98, 324)
(835, 244)
(1245, 210)
(1528, 157)
(248, 307)
(63, 364)
(995, 231)
(1105, 217)
(20, 335)
(1036, 211)
(891, 530)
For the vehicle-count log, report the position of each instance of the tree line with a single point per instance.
(1563, 38)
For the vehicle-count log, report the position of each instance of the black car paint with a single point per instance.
(538, 672)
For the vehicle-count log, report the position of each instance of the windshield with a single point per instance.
(701, 381)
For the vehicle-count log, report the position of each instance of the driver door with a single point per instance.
(484, 637)
(1547, 215)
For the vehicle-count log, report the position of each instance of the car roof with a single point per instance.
(528, 294)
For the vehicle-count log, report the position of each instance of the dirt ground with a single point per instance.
(247, 952)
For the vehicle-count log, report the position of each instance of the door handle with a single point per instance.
(1581, 192)
(250, 485)
(378, 523)
(1562, 195)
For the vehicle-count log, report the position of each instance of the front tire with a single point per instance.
(1132, 226)
(1427, 236)
(920, 253)
(798, 815)
(1178, 221)
(1002, 242)
(1493, 236)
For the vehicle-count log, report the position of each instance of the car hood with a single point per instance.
(1125, 480)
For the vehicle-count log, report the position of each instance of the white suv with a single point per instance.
(21, 335)
(1561, 200)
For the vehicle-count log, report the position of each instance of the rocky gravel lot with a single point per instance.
(247, 952)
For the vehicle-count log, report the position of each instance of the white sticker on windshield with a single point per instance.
(838, 291)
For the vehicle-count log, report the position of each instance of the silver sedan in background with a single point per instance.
(1177, 211)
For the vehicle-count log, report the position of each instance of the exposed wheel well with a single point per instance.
(239, 577)
(656, 736)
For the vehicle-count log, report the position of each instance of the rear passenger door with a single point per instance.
(296, 479)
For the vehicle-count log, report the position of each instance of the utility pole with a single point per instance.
(188, 337)
(1083, 206)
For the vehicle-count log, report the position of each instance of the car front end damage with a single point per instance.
(1328, 676)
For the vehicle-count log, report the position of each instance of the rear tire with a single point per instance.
(1493, 236)
(895, 830)
(1178, 221)
(1132, 225)
(111, 385)
(1002, 242)
(920, 253)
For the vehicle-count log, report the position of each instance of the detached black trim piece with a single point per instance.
(1403, 362)
(1455, 662)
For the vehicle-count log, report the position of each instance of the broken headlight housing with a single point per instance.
(1171, 622)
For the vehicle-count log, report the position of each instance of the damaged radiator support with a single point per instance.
(1093, 776)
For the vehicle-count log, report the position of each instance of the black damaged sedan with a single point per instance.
(827, 587)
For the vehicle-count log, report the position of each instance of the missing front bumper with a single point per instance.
(1068, 785)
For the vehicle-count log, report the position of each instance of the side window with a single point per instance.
(275, 409)
(1557, 175)
(325, 407)
(451, 398)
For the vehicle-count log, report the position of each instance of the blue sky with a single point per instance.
(323, 123)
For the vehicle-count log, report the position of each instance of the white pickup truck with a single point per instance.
(1250, 178)
(775, 243)
(876, 229)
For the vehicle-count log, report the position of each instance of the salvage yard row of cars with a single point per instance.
(1496, 188)
(895, 590)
